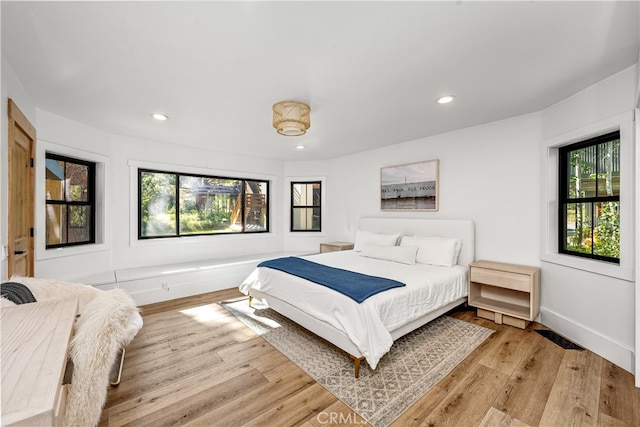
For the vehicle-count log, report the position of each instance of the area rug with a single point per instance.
(415, 363)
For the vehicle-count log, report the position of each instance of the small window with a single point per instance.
(305, 206)
(589, 197)
(174, 204)
(70, 201)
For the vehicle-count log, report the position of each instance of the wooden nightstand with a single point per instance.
(335, 246)
(505, 293)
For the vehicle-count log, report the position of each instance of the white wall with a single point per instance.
(122, 155)
(607, 98)
(308, 171)
(638, 86)
(10, 87)
(493, 174)
(488, 173)
(637, 178)
(66, 137)
(129, 252)
(594, 309)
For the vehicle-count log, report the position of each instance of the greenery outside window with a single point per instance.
(306, 206)
(175, 204)
(70, 201)
(589, 208)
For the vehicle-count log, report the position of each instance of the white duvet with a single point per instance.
(368, 325)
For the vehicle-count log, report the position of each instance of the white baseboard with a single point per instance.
(150, 296)
(615, 352)
(152, 290)
(152, 284)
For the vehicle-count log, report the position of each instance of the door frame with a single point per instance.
(17, 120)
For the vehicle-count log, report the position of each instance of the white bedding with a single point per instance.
(368, 325)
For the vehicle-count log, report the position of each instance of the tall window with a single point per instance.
(70, 201)
(174, 204)
(589, 206)
(305, 206)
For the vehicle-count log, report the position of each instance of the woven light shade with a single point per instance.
(291, 118)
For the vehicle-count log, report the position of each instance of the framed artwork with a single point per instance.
(412, 187)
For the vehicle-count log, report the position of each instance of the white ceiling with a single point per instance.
(370, 71)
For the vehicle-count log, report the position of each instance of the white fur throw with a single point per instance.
(108, 321)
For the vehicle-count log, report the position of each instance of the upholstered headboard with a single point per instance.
(455, 228)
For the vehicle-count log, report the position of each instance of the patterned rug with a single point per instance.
(415, 363)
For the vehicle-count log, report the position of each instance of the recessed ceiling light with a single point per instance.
(445, 99)
(159, 116)
(300, 147)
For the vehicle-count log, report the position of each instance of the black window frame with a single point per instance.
(314, 206)
(177, 198)
(91, 200)
(564, 200)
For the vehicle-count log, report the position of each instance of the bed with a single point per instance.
(435, 282)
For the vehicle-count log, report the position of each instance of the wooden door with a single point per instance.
(22, 142)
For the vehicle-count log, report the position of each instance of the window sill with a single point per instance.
(44, 254)
(172, 241)
(593, 266)
(306, 234)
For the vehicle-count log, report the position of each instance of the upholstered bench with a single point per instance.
(155, 283)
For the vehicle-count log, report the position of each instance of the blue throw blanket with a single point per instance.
(356, 286)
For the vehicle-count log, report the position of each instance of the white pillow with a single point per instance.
(403, 254)
(408, 241)
(440, 251)
(374, 239)
(457, 253)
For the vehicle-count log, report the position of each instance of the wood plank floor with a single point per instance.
(194, 364)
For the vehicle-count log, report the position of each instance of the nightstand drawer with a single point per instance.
(505, 293)
(507, 280)
(335, 247)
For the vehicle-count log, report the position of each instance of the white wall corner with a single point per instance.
(637, 245)
(10, 87)
(549, 244)
(286, 218)
(595, 336)
(102, 196)
(615, 352)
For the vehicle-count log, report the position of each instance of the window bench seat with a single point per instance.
(157, 283)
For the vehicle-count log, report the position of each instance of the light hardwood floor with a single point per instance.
(194, 364)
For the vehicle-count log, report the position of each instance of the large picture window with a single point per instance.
(305, 206)
(589, 195)
(174, 204)
(70, 201)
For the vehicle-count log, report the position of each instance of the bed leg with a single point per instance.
(250, 300)
(356, 365)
